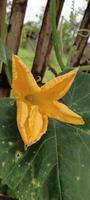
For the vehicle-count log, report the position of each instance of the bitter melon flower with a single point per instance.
(36, 104)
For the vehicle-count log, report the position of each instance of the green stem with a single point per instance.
(56, 39)
(81, 68)
(84, 68)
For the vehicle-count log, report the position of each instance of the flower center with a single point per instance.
(34, 100)
(29, 98)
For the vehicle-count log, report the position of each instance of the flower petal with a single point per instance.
(62, 113)
(37, 125)
(31, 123)
(59, 86)
(45, 124)
(22, 115)
(23, 82)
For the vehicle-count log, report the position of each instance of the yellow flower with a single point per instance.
(35, 104)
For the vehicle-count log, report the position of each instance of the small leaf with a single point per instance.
(5, 57)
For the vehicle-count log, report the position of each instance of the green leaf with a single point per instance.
(58, 166)
(5, 57)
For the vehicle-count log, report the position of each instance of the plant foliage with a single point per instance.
(58, 166)
(5, 57)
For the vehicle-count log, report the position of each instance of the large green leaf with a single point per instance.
(58, 166)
